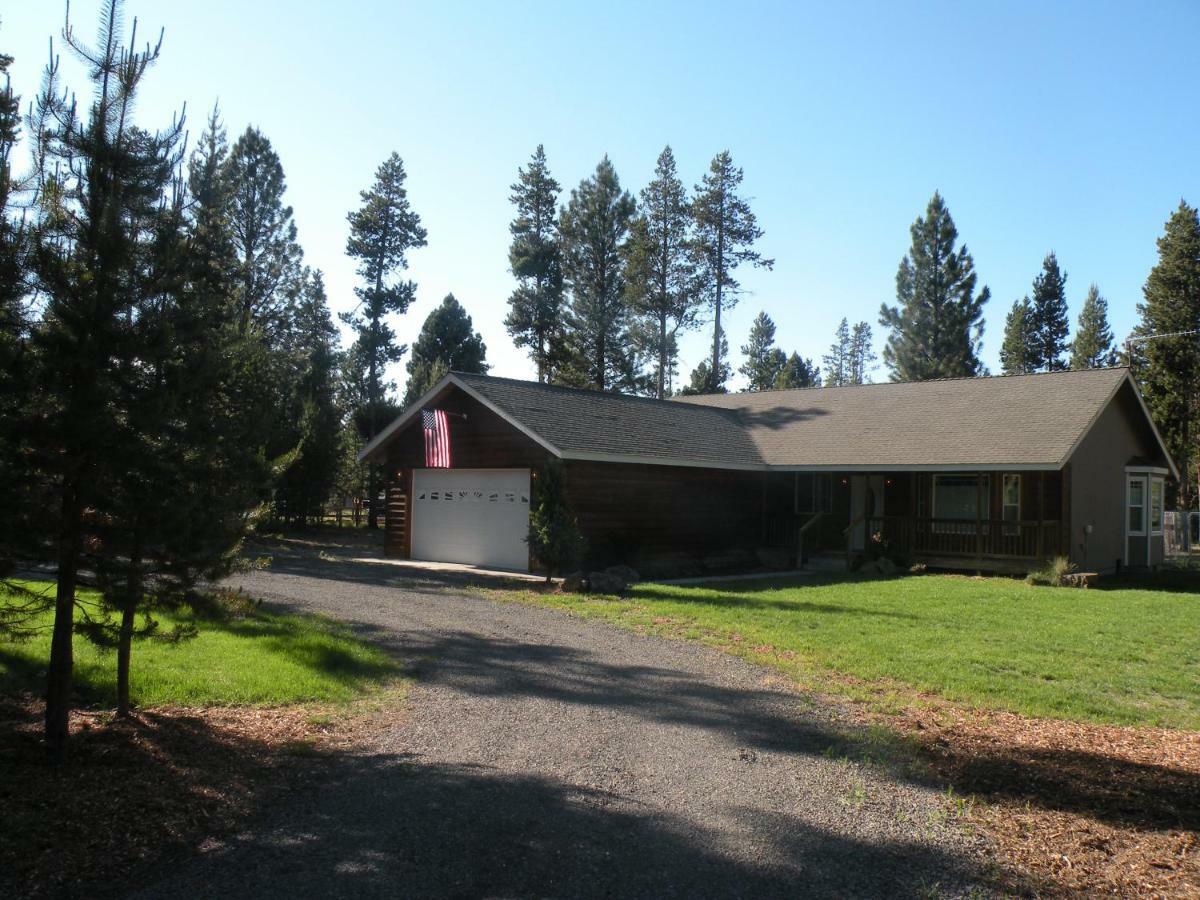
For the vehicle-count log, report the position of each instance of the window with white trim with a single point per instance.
(1156, 505)
(1136, 494)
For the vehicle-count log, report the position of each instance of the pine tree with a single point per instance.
(308, 482)
(664, 285)
(15, 389)
(862, 354)
(447, 343)
(1019, 352)
(554, 537)
(838, 360)
(797, 372)
(764, 361)
(1048, 322)
(702, 380)
(102, 182)
(936, 328)
(534, 319)
(382, 231)
(726, 231)
(1093, 345)
(264, 234)
(594, 226)
(1168, 367)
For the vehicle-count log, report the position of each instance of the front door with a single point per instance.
(866, 499)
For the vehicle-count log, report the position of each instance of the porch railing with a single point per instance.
(959, 537)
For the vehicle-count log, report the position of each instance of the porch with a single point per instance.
(991, 520)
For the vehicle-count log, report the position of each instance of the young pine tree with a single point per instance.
(726, 232)
(382, 232)
(534, 318)
(1049, 323)
(797, 372)
(764, 361)
(1093, 345)
(1019, 352)
(554, 537)
(936, 327)
(594, 226)
(447, 343)
(1169, 368)
(663, 282)
(702, 379)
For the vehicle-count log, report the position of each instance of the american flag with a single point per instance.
(437, 438)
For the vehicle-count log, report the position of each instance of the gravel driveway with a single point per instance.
(545, 756)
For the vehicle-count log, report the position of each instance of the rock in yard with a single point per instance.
(606, 583)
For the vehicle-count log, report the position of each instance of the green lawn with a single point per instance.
(255, 659)
(1125, 655)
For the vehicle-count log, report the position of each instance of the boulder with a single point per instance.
(606, 583)
(628, 574)
(575, 583)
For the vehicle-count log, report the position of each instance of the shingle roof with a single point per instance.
(1018, 420)
(591, 422)
(1021, 421)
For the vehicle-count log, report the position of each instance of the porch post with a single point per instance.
(1041, 540)
(979, 514)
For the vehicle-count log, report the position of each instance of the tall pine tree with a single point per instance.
(664, 286)
(382, 232)
(595, 224)
(702, 380)
(726, 232)
(1169, 367)
(936, 327)
(764, 361)
(264, 234)
(837, 360)
(1048, 320)
(447, 343)
(534, 318)
(1019, 352)
(1093, 345)
(862, 354)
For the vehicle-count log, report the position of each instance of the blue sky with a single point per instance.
(1068, 126)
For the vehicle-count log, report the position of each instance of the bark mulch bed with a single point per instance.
(137, 791)
(1074, 809)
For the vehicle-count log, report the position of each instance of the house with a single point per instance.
(997, 473)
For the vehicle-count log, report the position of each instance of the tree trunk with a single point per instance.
(662, 355)
(716, 360)
(133, 595)
(60, 673)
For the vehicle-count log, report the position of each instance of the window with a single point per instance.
(1010, 497)
(814, 492)
(1137, 505)
(958, 497)
(1156, 505)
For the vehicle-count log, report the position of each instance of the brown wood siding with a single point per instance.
(482, 440)
(632, 513)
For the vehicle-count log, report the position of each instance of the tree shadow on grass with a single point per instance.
(388, 826)
(753, 598)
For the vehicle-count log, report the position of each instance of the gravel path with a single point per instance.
(547, 756)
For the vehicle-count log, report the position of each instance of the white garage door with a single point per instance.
(474, 516)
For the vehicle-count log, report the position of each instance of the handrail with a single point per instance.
(816, 517)
(858, 520)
